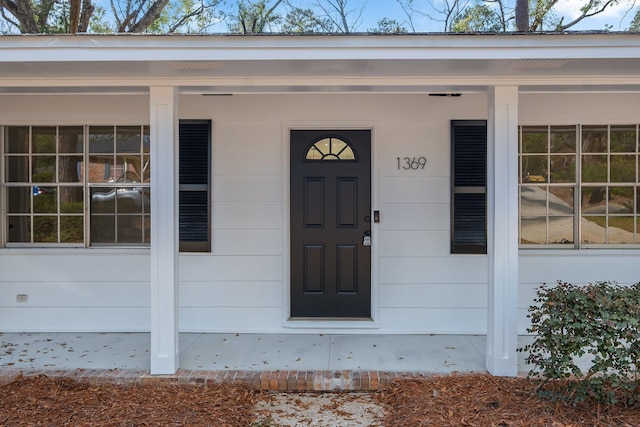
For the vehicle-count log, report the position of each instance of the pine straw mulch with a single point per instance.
(451, 400)
(44, 401)
(482, 400)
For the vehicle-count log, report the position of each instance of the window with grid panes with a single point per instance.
(76, 185)
(579, 186)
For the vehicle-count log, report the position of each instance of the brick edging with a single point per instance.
(291, 381)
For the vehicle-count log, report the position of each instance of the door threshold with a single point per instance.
(323, 323)
(331, 319)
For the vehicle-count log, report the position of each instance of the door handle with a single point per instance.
(366, 240)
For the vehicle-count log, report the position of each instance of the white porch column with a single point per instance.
(164, 230)
(502, 210)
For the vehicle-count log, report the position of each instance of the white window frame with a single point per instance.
(577, 187)
(85, 184)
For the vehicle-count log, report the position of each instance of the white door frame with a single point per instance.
(320, 326)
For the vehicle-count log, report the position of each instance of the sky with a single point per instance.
(615, 15)
(377, 9)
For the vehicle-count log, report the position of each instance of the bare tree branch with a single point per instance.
(131, 13)
(337, 13)
(7, 5)
(407, 8)
(504, 21)
(23, 13)
(173, 27)
(196, 12)
(540, 15)
(586, 14)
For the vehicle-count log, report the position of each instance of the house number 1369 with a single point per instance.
(411, 163)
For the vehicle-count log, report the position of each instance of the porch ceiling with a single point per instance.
(223, 64)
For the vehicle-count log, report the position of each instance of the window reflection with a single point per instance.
(533, 230)
(101, 139)
(561, 200)
(594, 229)
(19, 200)
(623, 139)
(623, 168)
(563, 168)
(594, 168)
(535, 139)
(17, 140)
(594, 139)
(19, 229)
(620, 229)
(561, 230)
(546, 215)
(71, 229)
(70, 140)
(44, 140)
(534, 168)
(16, 169)
(45, 229)
(562, 139)
(600, 164)
(43, 169)
(47, 180)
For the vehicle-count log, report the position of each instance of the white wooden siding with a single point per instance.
(586, 266)
(242, 285)
(74, 289)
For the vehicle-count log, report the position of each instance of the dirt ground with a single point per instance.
(451, 400)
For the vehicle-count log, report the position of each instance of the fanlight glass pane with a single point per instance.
(330, 149)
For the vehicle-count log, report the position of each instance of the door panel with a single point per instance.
(330, 216)
(347, 198)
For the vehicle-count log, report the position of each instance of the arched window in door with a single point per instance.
(330, 148)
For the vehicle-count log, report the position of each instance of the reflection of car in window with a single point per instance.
(534, 178)
(129, 196)
(37, 190)
(137, 195)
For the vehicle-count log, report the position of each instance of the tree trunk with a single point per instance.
(74, 16)
(522, 15)
(85, 17)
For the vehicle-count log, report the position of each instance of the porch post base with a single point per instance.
(502, 367)
(164, 365)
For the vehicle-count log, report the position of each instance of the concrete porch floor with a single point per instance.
(74, 354)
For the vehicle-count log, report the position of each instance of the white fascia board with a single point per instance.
(292, 82)
(277, 47)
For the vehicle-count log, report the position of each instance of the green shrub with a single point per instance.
(601, 321)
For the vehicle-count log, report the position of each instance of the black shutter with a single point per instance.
(194, 191)
(469, 187)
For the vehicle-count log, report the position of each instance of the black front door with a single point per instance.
(330, 224)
